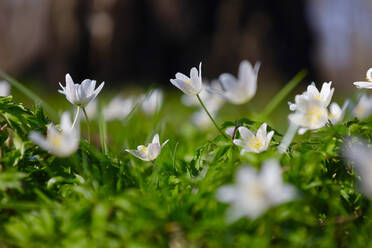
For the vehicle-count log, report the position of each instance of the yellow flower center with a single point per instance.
(369, 79)
(317, 96)
(145, 148)
(56, 140)
(188, 82)
(255, 143)
(314, 114)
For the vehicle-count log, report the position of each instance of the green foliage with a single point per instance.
(99, 198)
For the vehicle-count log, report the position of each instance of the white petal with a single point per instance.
(369, 74)
(183, 86)
(230, 131)
(227, 81)
(138, 154)
(164, 143)
(238, 142)
(363, 85)
(182, 77)
(153, 151)
(39, 140)
(261, 132)
(226, 194)
(155, 140)
(246, 133)
(98, 90)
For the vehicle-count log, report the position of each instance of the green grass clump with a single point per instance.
(104, 197)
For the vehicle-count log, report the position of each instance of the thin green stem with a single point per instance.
(76, 116)
(88, 124)
(103, 132)
(283, 93)
(210, 116)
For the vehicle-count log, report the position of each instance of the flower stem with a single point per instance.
(86, 117)
(210, 116)
(76, 116)
(288, 137)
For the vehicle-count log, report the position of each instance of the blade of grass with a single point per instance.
(283, 93)
(27, 92)
(102, 126)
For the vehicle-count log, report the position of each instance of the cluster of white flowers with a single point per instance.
(254, 192)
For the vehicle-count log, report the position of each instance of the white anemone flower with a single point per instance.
(60, 143)
(365, 84)
(251, 142)
(152, 102)
(310, 114)
(239, 90)
(336, 113)
(118, 108)
(189, 85)
(254, 192)
(4, 88)
(362, 156)
(80, 94)
(149, 152)
(324, 96)
(364, 107)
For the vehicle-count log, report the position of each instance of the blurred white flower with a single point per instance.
(152, 102)
(238, 90)
(4, 88)
(60, 143)
(251, 142)
(311, 113)
(365, 84)
(118, 108)
(324, 96)
(189, 85)
(91, 109)
(201, 119)
(336, 113)
(80, 94)
(253, 192)
(362, 156)
(364, 107)
(149, 152)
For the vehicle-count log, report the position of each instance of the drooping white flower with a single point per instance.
(365, 84)
(238, 90)
(310, 114)
(80, 94)
(4, 88)
(362, 156)
(60, 143)
(251, 142)
(254, 192)
(118, 108)
(324, 96)
(189, 85)
(149, 152)
(336, 113)
(152, 102)
(364, 107)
